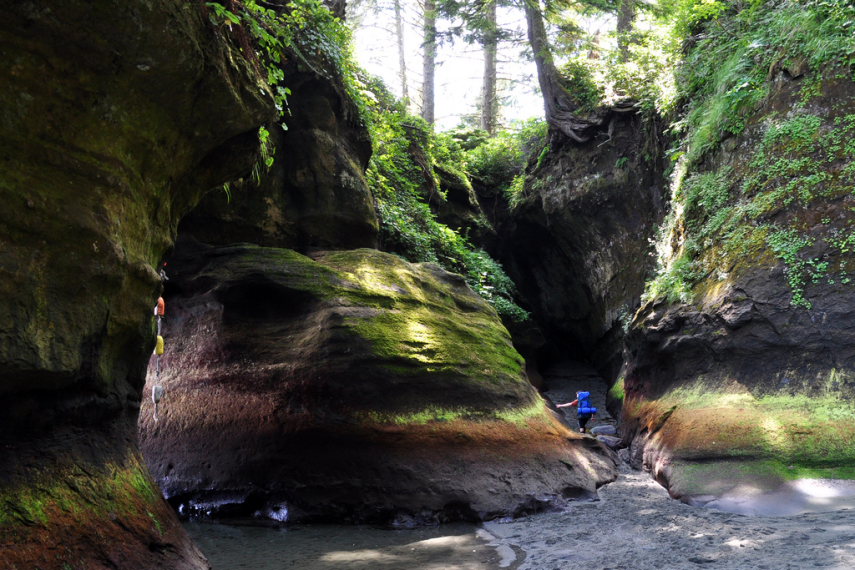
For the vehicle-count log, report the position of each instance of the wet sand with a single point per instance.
(328, 547)
(634, 525)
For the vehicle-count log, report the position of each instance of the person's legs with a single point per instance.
(583, 421)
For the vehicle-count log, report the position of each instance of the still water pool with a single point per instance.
(326, 547)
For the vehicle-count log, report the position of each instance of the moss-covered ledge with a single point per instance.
(357, 358)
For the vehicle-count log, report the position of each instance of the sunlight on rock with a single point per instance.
(584, 463)
(771, 425)
(422, 342)
(734, 400)
(775, 433)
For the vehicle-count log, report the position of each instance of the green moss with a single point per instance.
(157, 524)
(437, 341)
(797, 164)
(810, 428)
(617, 390)
(412, 322)
(75, 493)
(722, 476)
(516, 416)
(520, 416)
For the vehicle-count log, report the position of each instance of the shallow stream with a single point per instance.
(634, 526)
(327, 547)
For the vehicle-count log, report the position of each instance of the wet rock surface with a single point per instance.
(105, 142)
(315, 195)
(354, 386)
(577, 246)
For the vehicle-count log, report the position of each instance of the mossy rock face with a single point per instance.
(75, 513)
(457, 207)
(578, 245)
(315, 194)
(352, 386)
(757, 363)
(106, 140)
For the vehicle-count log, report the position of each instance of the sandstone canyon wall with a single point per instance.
(349, 384)
(107, 140)
(741, 364)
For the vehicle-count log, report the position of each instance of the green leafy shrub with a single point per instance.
(499, 162)
(578, 79)
(408, 227)
(724, 77)
(305, 28)
(761, 207)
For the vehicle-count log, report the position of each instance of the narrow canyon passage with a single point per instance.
(561, 382)
(364, 310)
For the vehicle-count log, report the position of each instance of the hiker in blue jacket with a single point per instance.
(584, 411)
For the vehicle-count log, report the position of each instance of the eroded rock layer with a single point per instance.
(351, 386)
(106, 139)
(748, 382)
(577, 246)
(314, 195)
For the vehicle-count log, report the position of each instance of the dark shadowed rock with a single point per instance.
(578, 245)
(106, 139)
(611, 441)
(604, 430)
(352, 386)
(315, 194)
(457, 207)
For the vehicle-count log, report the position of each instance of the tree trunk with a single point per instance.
(337, 7)
(625, 20)
(429, 60)
(559, 104)
(402, 61)
(488, 88)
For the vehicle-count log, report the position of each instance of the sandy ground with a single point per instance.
(635, 525)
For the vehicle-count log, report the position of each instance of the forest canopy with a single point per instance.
(583, 56)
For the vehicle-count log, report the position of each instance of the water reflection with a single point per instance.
(326, 547)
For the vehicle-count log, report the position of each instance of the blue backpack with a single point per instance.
(584, 404)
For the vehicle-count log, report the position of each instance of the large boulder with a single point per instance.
(348, 386)
(578, 244)
(106, 140)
